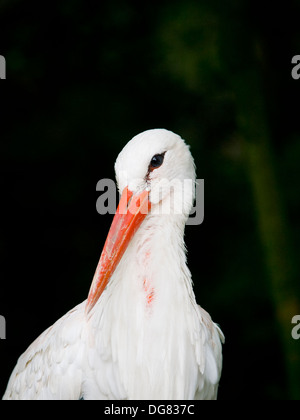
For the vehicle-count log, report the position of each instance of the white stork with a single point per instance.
(140, 334)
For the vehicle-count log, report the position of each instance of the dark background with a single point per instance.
(83, 78)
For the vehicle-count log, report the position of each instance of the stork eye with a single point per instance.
(156, 161)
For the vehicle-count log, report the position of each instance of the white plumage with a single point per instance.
(140, 334)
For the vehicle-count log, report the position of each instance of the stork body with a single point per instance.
(140, 334)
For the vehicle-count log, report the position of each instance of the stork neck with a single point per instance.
(147, 309)
(155, 262)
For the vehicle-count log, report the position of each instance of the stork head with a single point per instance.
(155, 172)
(158, 161)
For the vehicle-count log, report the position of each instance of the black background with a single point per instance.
(82, 79)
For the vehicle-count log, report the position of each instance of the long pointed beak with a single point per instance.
(130, 213)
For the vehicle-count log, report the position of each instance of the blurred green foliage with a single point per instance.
(83, 77)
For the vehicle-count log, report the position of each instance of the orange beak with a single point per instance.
(130, 213)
